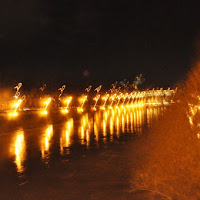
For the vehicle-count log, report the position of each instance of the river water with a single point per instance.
(43, 149)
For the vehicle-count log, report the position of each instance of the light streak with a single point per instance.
(112, 98)
(96, 98)
(124, 98)
(98, 89)
(105, 98)
(129, 97)
(84, 129)
(88, 89)
(61, 91)
(119, 98)
(16, 106)
(46, 102)
(18, 150)
(45, 142)
(65, 139)
(82, 100)
(67, 101)
(17, 90)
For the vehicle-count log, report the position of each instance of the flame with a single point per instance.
(67, 101)
(112, 98)
(96, 98)
(82, 100)
(88, 88)
(61, 91)
(46, 103)
(105, 98)
(16, 106)
(98, 89)
(119, 98)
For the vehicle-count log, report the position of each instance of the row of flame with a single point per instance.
(118, 99)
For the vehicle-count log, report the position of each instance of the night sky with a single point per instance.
(112, 40)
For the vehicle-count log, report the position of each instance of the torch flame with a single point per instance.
(16, 106)
(47, 102)
(82, 100)
(105, 98)
(112, 98)
(67, 101)
(96, 98)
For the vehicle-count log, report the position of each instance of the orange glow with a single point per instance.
(17, 90)
(84, 130)
(82, 101)
(46, 103)
(96, 98)
(67, 102)
(104, 98)
(45, 142)
(65, 139)
(18, 150)
(16, 106)
(112, 98)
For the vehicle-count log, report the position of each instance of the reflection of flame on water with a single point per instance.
(96, 132)
(45, 141)
(104, 126)
(18, 149)
(65, 139)
(84, 129)
(111, 128)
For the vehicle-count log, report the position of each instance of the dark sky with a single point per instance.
(113, 40)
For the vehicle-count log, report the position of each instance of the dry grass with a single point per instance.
(172, 152)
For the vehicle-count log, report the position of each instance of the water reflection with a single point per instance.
(45, 141)
(153, 113)
(96, 128)
(65, 139)
(89, 130)
(18, 150)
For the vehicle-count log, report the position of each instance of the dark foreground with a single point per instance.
(105, 174)
(119, 159)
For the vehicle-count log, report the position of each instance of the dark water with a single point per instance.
(26, 147)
